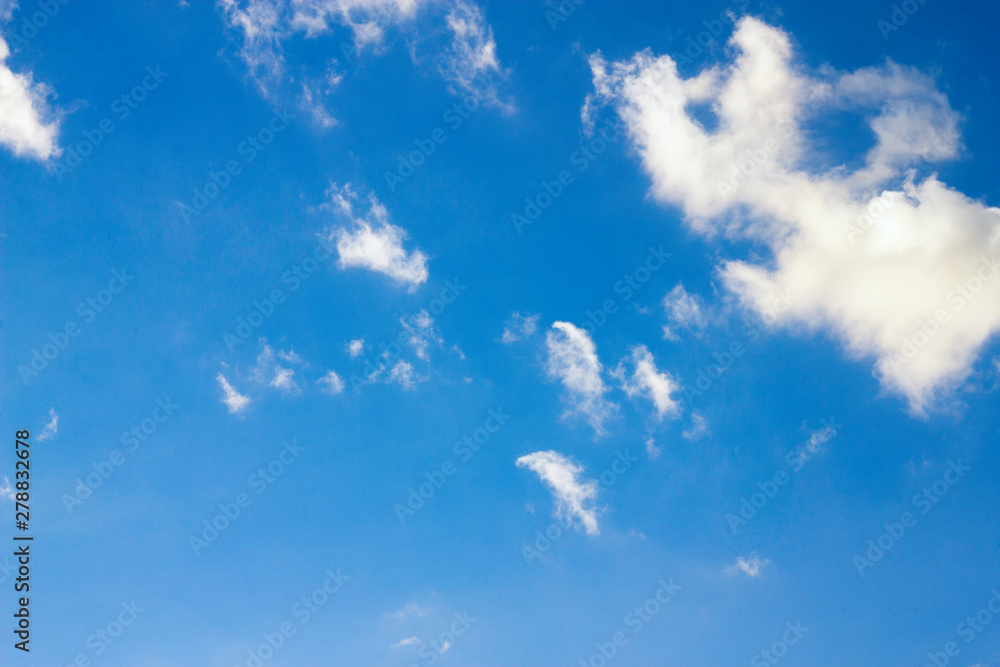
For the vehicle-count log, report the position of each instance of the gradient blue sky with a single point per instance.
(369, 444)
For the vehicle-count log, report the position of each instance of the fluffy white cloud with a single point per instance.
(373, 243)
(331, 383)
(25, 124)
(900, 268)
(574, 496)
(572, 359)
(649, 381)
(683, 310)
(234, 400)
(50, 429)
(356, 347)
(519, 327)
(750, 566)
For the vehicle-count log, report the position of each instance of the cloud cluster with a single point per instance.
(574, 496)
(262, 27)
(898, 266)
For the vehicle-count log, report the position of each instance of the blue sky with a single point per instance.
(503, 333)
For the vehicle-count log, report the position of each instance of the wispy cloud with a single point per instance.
(573, 495)
(519, 327)
(647, 380)
(572, 359)
(234, 400)
(49, 430)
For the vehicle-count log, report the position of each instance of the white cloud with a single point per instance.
(290, 356)
(843, 261)
(683, 310)
(311, 102)
(331, 383)
(367, 19)
(698, 429)
(647, 380)
(816, 444)
(7, 490)
(235, 401)
(270, 373)
(51, 428)
(261, 24)
(750, 566)
(471, 64)
(25, 124)
(652, 451)
(519, 327)
(402, 374)
(409, 641)
(574, 497)
(374, 243)
(420, 333)
(356, 347)
(572, 359)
